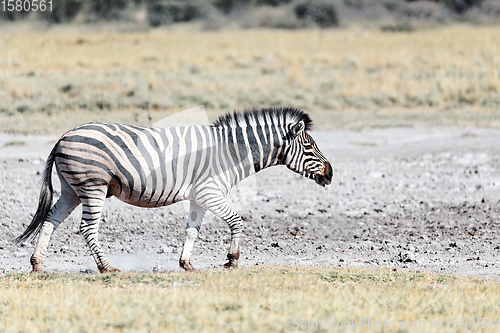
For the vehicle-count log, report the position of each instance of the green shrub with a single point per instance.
(288, 22)
(356, 4)
(173, 11)
(12, 15)
(226, 6)
(323, 13)
(393, 5)
(461, 6)
(491, 7)
(63, 10)
(458, 6)
(423, 9)
(397, 27)
(274, 3)
(108, 9)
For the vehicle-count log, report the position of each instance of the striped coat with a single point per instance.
(154, 167)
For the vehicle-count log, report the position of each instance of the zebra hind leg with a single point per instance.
(195, 218)
(89, 227)
(67, 202)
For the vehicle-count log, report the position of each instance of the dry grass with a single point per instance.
(266, 299)
(350, 79)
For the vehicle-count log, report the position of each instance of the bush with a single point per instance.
(491, 7)
(461, 6)
(355, 4)
(173, 11)
(12, 15)
(271, 17)
(274, 3)
(423, 9)
(393, 5)
(288, 22)
(226, 6)
(323, 13)
(108, 9)
(63, 10)
(397, 27)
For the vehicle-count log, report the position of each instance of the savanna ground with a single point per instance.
(410, 122)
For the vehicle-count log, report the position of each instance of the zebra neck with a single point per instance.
(252, 148)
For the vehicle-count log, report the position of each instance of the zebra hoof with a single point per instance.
(36, 265)
(231, 264)
(186, 265)
(110, 269)
(36, 269)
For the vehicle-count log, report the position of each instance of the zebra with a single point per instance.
(154, 167)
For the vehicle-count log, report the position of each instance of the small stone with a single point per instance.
(157, 269)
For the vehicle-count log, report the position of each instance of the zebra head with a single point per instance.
(302, 155)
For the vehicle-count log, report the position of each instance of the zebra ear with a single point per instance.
(297, 128)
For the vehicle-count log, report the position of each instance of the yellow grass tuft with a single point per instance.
(258, 299)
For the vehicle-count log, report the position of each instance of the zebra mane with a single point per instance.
(280, 115)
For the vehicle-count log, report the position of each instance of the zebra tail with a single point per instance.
(44, 202)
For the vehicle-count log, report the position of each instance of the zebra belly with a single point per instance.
(149, 198)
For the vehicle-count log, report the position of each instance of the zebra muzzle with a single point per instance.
(326, 177)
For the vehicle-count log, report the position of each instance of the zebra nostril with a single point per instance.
(328, 170)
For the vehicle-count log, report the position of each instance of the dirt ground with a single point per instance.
(424, 199)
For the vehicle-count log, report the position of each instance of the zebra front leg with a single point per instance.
(57, 214)
(235, 225)
(89, 228)
(219, 206)
(193, 225)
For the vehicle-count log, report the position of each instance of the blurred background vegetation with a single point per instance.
(388, 15)
(352, 64)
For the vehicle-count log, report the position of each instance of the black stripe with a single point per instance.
(89, 180)
(270, 145)
(296, 156)
(76, 172)
(91, 219)
(93, 206)
(90, 212)
(240, 142)
(254, 145)
(93, 163)
(92, 190)
(273, 129)
(90, 198)
(135, 162)
(263, 137)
